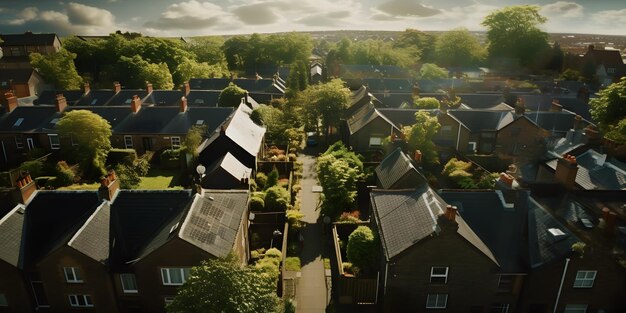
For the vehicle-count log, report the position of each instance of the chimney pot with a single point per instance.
(135, 104)
(566, 171)
(186, 88)
(117, 87)
(506, 179)
(418, 156)
(183, 104)
(109, 185)
(86, 88)
(148, 87)
(61, 103)
(11, 101)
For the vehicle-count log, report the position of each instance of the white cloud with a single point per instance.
(80, 14)
(407, 8)
(563, 9)
(330, 19)
(256, 14)
(610, 17)
(188, 15)
(27, 14)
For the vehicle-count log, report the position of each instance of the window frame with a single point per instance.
(437, 296)
(581, 282)
(507, 287)
(175, 146)
(57, 145)
(575, 308)
(376, 138)
(126, 145)
(134, 280)
(500, 308)
(165, 273)
(435, 276)
(76, 276)
(19, 141)
(76, 303)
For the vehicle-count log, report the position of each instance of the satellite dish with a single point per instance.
(200, 169)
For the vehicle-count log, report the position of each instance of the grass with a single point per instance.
(292, 263)
(159, 179)
(93, 186)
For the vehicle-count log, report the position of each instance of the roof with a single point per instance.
(92, 239)
(405, 217)
(149, 120)
(125, 97)
(214, 219)
(164, 97)
(137, 216)
(203, 98)
(52, 218)
(394, 100)
(20, 76)
(481, 100)
(250, 85)
(96, 97)
(394, 168)
(209, 117)
(404, 117)
(606, 57)
(50, 96)
(231, 165)
(243, 131)
(114, 115)
(595, 172)
(27, 39)
(554, 121)
(11, 226)
(26, 119)
(482, 120)
(499, 225)
(363, 117)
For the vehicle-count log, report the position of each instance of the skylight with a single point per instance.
(198, 101)
(199, 122)
(94, 101)
(128, 101)
(18, 122)
(556, 232)
(54, 121)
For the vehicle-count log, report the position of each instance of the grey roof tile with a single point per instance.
(96, 98)
(11, 226)
(93, 238)
(482, 120)
(397, 171)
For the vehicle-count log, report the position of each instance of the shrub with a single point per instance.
(261, 180)
(292, 157)
(117, 156)
(256, 204)
(289, 306)
(64, 176)
(129, 178)
(170, 158)
(34, 168)
(294, 218)
(292, 263)
(362, 248)
(349, 217)
(274, 253)
(272, 178)
(276, 199)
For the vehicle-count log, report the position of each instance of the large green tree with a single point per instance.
(423, 43)
(92, 134)
(610, 107)
(58, 69)
(137, 71)
(222, 285)
(420, 135)
(363, 248)
(327, 102)
(513, 32)
(231, 96)
(432, 71)
(459, 47)
(189, 68)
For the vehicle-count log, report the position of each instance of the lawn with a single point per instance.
(160, 179)
(93, 186)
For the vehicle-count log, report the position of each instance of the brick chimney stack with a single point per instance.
(60, 102)
(135, 104)
(566, 170)
(109, 184)
(451, 212)
(186, 89)
(148, 87)
(117, 87)
(418, 156)
(86, 88)
(578, 122)
(556, 106)
(183, 104)
(520, 108)
(25, 188)
(506, 179)
(416, 89)
(610, 219)
(11, 101)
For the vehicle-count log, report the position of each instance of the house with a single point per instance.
(227, 173)
(367, 129)
(14, 291)
(49, 97)
(315, 75)
(589, 170)
(21, 82)
(360, 98)
(397, 171)
(263, 89)
(431, 258)
(480, 127)
(240, 137)
(17, 47)
(608, 64)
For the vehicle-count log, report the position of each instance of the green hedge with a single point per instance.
(117, 156)
(170, 159)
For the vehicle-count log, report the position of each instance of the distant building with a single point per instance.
(17, 47)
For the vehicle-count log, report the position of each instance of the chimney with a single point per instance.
(25, 189)
(593, 137)
(148, 87)
(183, 104)
(11, 101)
(556, 107)
(86, 88)
(591, 48)
(507, 180)
(566, 170)
(418, 156)
(520, 108)
(61, 103)
(416, 90)
(222, 130)
(135, 104)
(451, 212)
(185, 88)
(109, 184)
(610, 219)
(117, 87)
(578, 122)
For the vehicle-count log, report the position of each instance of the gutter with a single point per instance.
(558, 295)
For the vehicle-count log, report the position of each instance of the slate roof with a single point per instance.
(481, 100)
(212, 118)
(554, 121)
(49, 96)
(11, 226)
(500, 225)
(363, 117)
(114, 115)
(96, 97)
(92, 239)
(404, 117)
(149, 120)
(482, 120)
(250, 85)
(164, 97)
(395, 167)
(389, 84)
(125, 96)
(32, 119)
(611, 175)
(231, 165)
(241, 130)
(27, 39)
(394, 100)
(19, 76)
(203, 98)
(606, 57)
(52, 218)
(214, 219)
(137, 216)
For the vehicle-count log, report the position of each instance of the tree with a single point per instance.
(363, 248)
(570, 74)
(192, 141)
(618, 132)
(419, 136)
(231, 96)
(92, 134)
(58, 69)
(276, 199)
(327, 101)
(610, 107)
(208, 49)
(459, 47)
(432, 71)
(423, 43)
(136, 71)
(513, 32)
(557, 58)
(222, 285)
(273, 120)
(189, 68)
(426, 103)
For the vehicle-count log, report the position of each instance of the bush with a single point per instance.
(349, 217)
(272, 178)
(34, 168)
(117, 156)
(64, 176)
(276, 199)
(261, 180)
(292, 263)
(274, 253)
(129, 178)
(256, 204)
(170, 159)
(362, 248)
(294, 218)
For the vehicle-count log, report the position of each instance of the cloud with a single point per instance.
(256, 14)
(610, 17)
(563, 9)
(80, 14)
(27, 14)
(188, 15)
(383, 17)
(330, 19)
(407, 8)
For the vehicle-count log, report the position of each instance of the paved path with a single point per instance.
(311, 293)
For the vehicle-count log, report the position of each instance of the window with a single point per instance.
(3, 300)
(174, 276)
(80, 301)
(436, 301)
(18, 122)
(499, 308)
(54, 141)
(471, 146)
(175, 142)
(438, 275)
(15, 51)
(19, 142)
(72, 275)
(376, 141)
(94, 101)
(129, 283)
(128, 142)
(576, 308)
(168, 300)
(584, 279)
(505, 283)
(38, 290)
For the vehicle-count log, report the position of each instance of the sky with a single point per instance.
(225, 17)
